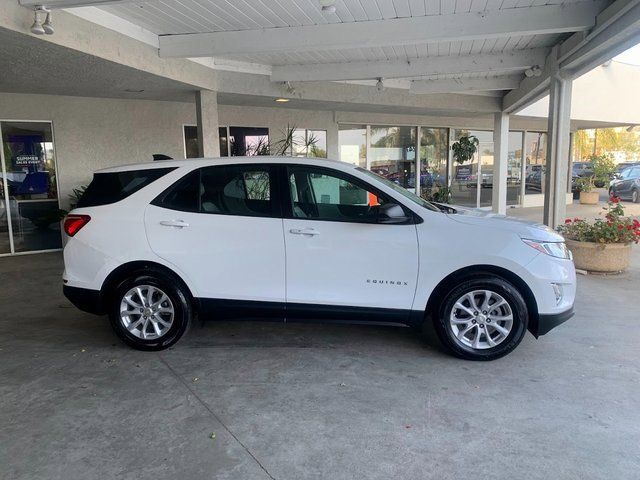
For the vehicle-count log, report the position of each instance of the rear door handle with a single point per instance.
(304, 231)
(174, 223)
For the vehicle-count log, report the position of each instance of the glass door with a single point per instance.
(29, 194)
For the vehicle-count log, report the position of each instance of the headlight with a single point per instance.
(554, 249)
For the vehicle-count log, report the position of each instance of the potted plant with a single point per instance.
(587, 195)
(603, 168)
(603, 245)
(465, 148)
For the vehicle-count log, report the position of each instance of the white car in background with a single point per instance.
(153, 245)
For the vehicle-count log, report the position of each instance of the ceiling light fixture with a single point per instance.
(328, 6)
(47, 26)
(380, 84)
(36, 27)
(282, 100)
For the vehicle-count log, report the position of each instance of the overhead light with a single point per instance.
(380, 84)
(282, 100)
(47, 26)
(328, 6)
(36, 28)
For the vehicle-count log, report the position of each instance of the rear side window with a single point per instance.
(244, 190)
(107, 188)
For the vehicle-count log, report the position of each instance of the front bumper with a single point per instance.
(86, 300)
(547, 322)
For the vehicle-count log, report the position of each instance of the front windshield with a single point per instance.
(402, 191)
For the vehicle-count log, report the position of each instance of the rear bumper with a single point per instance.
(86, 300)
(548, 322)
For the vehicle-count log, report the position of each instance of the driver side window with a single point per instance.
(318, 194)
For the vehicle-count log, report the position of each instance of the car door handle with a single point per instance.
(304, 231)
(174, 223)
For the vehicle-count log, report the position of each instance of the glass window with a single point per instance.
(535, 158)
(353, 144)
(248, 141)
(107, 188)
(309, 143)
(29, 194)
(514, 168)
(237, 190)
(434, 152)
(191, 141)
(464, 181)
(393, 154)
(318, 194)
(224, 141)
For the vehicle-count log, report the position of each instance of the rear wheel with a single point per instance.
(635, 196)
(149, 311)
(483, 318)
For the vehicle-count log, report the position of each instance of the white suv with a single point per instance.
(155, 244)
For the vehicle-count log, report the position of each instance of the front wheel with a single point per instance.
(149, 311)
(635, 196)
(483, 318)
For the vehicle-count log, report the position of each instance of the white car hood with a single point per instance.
(523, 228)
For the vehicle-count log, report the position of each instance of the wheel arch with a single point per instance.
(126, 269)
(451, 280)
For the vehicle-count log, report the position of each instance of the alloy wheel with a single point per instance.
(146, 312)
(481, 319)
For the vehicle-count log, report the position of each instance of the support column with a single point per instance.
(500, 161)
(557, 163)
(207, 119)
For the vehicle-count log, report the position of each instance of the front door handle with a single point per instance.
(174, 223)
(304, 231)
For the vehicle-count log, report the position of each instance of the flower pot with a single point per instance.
(600, 257)
(589, 198)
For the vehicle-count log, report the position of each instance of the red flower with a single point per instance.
(620, 227)
(614, 199)
(567, 221)
(636, 223)
(576, 219)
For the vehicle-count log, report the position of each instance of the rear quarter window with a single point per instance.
(107, 188)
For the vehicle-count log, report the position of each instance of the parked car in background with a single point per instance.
(153, 245)
(627, 185)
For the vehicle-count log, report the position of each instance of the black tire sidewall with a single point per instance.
(179, 299)
(503, 288)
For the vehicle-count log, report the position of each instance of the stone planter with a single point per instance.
(600, 257)
(589, 198)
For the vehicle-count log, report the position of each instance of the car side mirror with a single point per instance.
(391, 213)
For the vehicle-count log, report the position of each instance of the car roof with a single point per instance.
(205, 162)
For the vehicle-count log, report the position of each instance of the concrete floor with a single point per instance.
(286, 401)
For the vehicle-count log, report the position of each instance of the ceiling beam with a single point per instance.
(538, 20)
(53, 4)
(418, 67)
(459, 85)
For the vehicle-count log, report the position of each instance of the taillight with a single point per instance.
(73, 223)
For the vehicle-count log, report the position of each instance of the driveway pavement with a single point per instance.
(283, 401)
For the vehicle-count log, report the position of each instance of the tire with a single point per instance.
(171, 316)
(497, 335)
(635, 196)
